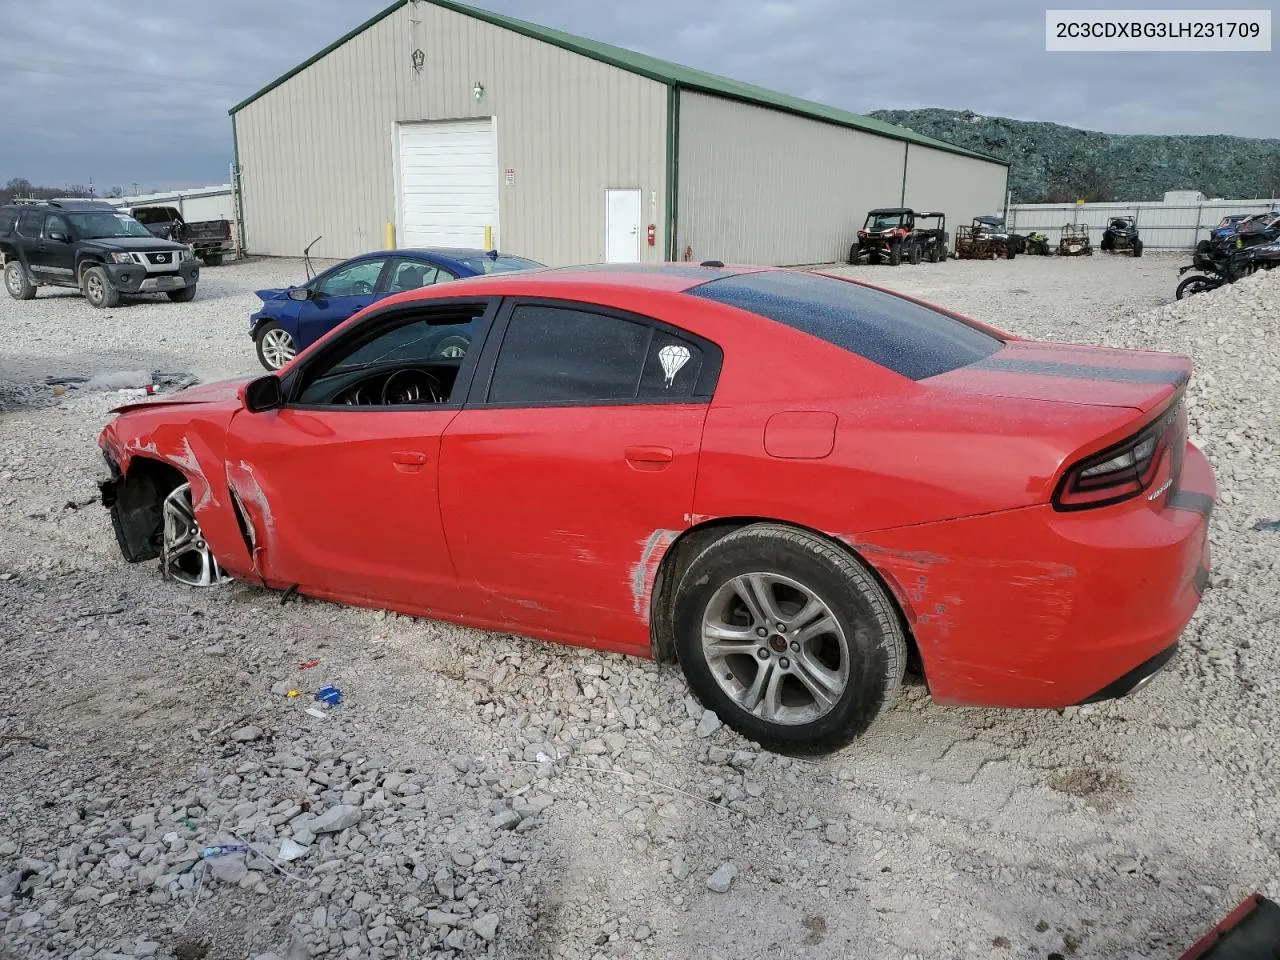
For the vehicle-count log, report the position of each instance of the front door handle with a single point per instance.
(644, 457)
(408, 461)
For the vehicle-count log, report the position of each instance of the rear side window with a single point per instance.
(29, 223)
(7, 219)
(902, 336)
(554, 354)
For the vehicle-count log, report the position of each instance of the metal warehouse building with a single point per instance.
(446, 119)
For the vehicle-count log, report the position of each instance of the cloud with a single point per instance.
(123, 92)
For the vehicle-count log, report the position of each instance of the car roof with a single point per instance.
(643, 277)
(989, 219)
(884, 210)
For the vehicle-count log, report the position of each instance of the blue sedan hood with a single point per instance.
(265, 295)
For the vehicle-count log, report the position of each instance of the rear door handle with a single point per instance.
(408, 461)
(643, 457)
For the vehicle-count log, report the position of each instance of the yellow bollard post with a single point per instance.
(391, 235)
(488, 238)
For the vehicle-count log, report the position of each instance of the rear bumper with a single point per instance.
(1035, 608)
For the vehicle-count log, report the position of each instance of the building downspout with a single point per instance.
(906, 154)
(235, 159)
(669, 237)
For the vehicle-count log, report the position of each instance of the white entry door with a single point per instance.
(448, 183)
(622, 225)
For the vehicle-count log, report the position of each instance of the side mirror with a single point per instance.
(263, 394)
(299, 293)
(58, 236)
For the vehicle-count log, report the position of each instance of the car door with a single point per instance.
(572, 468)
(27, 232)
(336, 295)
(340, 487)
(53, 255)
(405, 274)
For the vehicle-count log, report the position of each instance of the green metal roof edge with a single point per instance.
(663, 71)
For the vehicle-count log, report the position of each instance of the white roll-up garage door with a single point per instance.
(448, 183)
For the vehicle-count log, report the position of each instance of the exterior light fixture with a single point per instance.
(478, 91)
(419, 58)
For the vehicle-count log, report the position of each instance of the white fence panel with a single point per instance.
(1164, 226)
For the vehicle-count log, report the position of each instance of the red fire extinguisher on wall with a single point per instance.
(653, 235)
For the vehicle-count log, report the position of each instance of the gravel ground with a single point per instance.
(482, 795)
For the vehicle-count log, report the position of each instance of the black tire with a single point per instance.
(873, 258)
(1137, 248)
(932, 255)
(212, 259)
(1009, 251)
(1203, 246)
(17, 282)
(1107, 243)
(452, 347)
(858, 605)
(1193, 285)
(184, 295)
(853, 254)
(913, 254)
(98, 289)
(260, 335)
(895, 254)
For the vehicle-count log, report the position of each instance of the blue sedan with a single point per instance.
(293, 318)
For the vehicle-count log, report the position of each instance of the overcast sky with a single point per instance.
(121, 91)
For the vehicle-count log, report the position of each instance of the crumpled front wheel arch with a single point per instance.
(136, 502)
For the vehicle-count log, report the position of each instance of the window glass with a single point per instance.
(431, 344)
(29, 223)
(54, 223)
(559, 355)
(355, 280)
(895, 333)
(671, 369)
(412, 274)
(8, 218)
(499, 264)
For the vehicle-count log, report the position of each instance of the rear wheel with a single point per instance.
(913, 254)
(276, 345)
(98, 289)
(185, 295)
(790, 639)
(1009, 251)
(17, 282)
(212, 259)
(1137, 248)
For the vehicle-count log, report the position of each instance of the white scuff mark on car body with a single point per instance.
(643, 573)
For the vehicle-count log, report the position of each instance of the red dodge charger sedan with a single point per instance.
(782, 480)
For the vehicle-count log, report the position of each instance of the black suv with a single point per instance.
(93, 247)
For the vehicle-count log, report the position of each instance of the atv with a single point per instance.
(1038, 245)
(1122, 234)
(933, 240)
(984, 239)
(1074, 241)
(889, 234)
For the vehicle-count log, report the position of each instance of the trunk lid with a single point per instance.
(1141, 380)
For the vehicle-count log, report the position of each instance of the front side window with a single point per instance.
(354, 280)
(413, 274)
(907, 338)
(415, 361)
(555, 354)
(55, 224)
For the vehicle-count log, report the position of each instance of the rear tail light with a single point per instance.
(1126, 469)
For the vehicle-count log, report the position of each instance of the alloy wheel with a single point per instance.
(774, 647)
(14, 279)
(278, 348)
(185, 556)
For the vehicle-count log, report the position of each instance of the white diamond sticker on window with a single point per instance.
(673, 358)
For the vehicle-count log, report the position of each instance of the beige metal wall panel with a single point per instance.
(318, 153)
(761, 186)
(960, 187)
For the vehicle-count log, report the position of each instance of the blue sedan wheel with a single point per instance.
(276, 346)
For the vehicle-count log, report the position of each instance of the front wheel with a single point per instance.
(914, 254)
(1137, 248)
(895, 254)
(1194, 285)
(789, 638)
(212, 259)
(17, 282)
(98, 289)
(853, 254)
(276, 345)
(184, 295)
